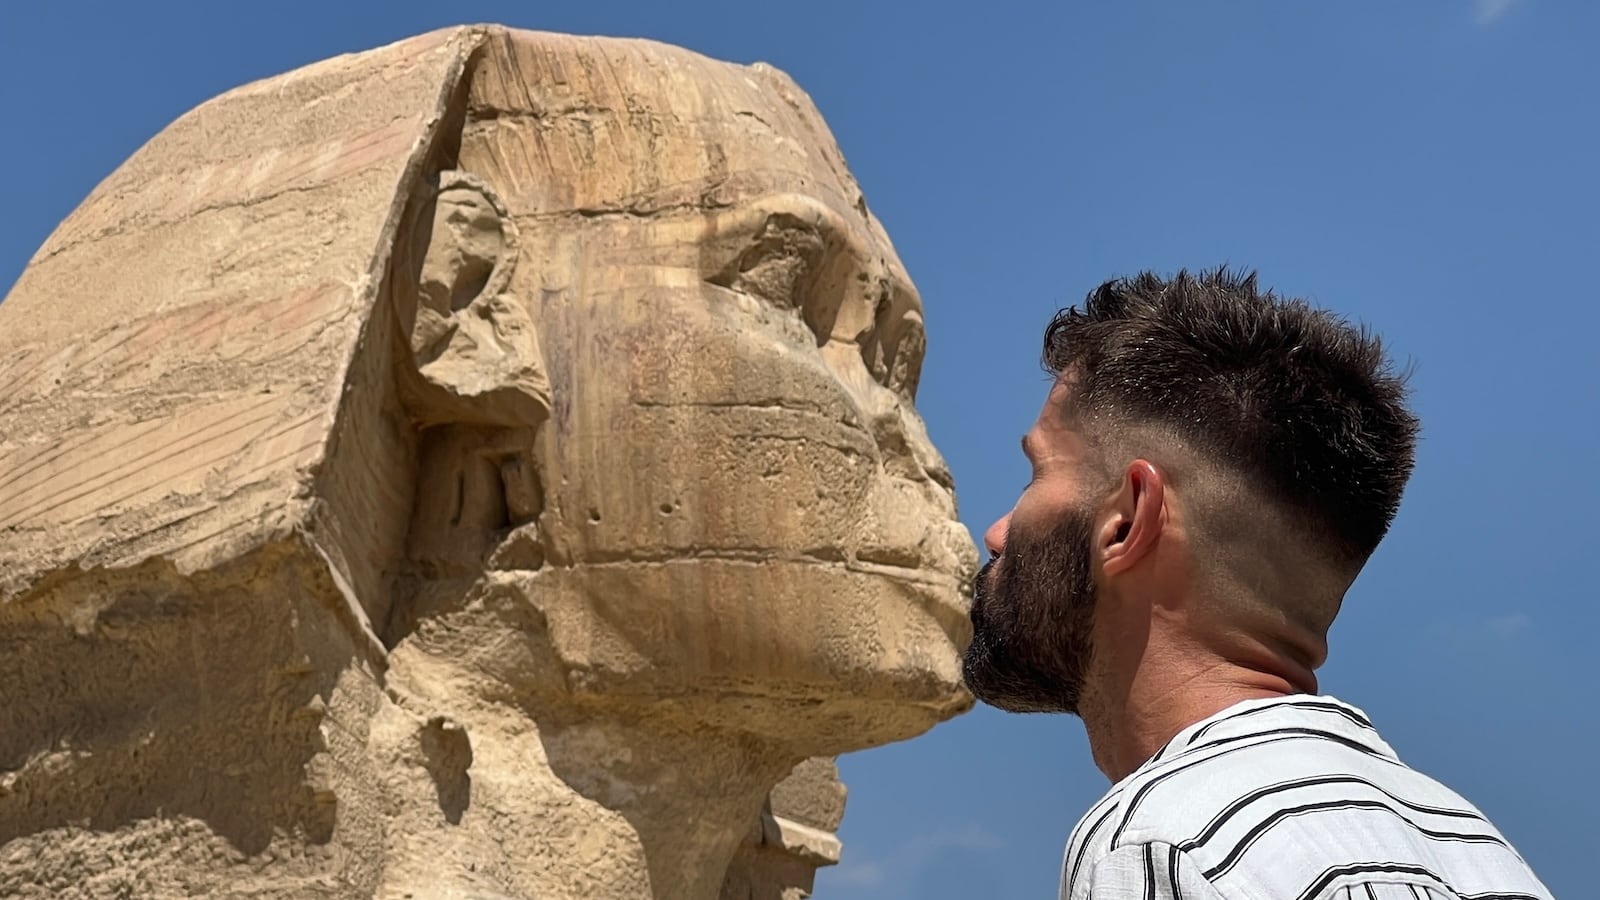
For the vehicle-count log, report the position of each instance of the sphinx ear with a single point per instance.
(481, 249)
(456, 244)
(474, 354)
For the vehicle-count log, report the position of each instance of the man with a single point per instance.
(1213, 466)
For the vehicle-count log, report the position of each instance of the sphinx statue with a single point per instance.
(485, 466)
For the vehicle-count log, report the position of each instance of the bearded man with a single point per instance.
(1213, 466)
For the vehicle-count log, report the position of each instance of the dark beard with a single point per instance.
(1032, 612)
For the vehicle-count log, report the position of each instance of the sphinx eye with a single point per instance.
(893, 348)
(779, 265)
(905, 359)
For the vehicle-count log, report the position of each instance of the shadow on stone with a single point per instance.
(448, 755)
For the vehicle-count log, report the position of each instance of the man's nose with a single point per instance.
(994, 540)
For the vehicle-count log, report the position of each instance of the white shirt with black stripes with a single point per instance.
(1293, 798)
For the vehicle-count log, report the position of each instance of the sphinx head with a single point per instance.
(498, 447)
(663, 363)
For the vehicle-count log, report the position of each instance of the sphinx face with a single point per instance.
(740, 511)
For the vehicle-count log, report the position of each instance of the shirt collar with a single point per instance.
(1315, 715)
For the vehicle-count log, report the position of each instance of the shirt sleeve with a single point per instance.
(1149, 871)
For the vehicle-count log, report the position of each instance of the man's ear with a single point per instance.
(1131, 520)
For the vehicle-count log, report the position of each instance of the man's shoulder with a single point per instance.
(1242, 757)
(1090, 841)
(1274, 797)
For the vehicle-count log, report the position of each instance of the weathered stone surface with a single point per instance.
(484, 466)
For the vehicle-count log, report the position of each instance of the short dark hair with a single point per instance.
(1292, 398)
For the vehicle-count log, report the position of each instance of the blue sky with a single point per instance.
(1427, 167)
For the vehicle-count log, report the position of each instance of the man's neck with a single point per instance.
(1128, 726)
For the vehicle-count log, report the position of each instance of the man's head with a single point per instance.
(1212, 468)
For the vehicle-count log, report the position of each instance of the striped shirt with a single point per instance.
(1293, 798)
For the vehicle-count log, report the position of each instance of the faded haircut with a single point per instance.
(1288, 398)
